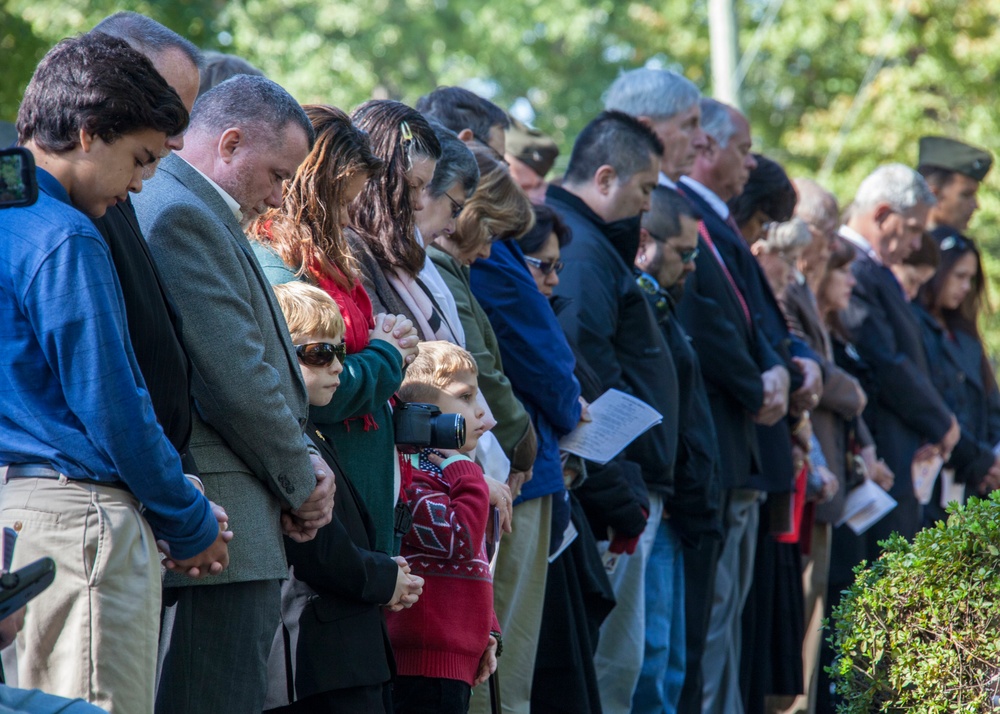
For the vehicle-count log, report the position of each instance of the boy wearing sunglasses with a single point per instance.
(337, 657)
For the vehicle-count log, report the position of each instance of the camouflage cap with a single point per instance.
(531, 146)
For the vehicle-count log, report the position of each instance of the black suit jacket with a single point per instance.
(956, 364)
(775, 441)
(733, 355)
(331, 605)
(153, 327)
(907, 410)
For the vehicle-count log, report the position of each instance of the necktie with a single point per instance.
(703, 232)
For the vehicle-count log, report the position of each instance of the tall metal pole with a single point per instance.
(725, 50)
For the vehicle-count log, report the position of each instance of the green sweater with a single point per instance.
(369, 380)
(513, 430)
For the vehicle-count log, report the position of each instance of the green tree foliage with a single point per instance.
(917, 630)
(560, 55)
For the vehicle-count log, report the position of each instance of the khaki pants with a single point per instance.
(518, 598)
(93, 633)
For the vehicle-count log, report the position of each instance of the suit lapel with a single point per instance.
(189, 177)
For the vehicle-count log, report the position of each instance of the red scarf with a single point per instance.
(355, 307)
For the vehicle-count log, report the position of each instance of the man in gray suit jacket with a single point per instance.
(247, 136)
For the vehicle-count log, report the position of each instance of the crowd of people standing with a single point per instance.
(226, 312)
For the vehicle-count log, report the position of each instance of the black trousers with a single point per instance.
(430, 695)
(375, 699)
(700, 564)
(214, 644)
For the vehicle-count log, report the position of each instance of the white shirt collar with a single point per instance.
(665, 181)
(231, 202)
(716, 203)
(858, 240)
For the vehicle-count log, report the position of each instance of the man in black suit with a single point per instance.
(152, 322)
(887, 220)
(743, 356)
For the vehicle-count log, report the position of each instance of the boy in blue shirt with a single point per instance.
(91, 480)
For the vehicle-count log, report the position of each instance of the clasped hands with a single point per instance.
(300, 524)
(211, 561)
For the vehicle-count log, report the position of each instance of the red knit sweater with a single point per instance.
(446, 632)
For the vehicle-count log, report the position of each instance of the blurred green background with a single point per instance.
(549, 61)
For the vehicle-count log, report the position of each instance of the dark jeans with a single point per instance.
(214, 644)
(429, 695)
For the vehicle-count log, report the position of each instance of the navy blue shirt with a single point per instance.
(71, 393)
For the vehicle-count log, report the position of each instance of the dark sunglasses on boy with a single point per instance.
(547, 267)
(321, 354)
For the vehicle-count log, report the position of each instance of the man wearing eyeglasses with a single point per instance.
(668, 247)
(612, 171)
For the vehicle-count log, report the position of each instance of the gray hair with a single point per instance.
(148, 36)
(899, 186)
(653, 93)
(251, 103)
(815, 204)
(219, 67)
(457, 165)
(787, 236)
(717, 121)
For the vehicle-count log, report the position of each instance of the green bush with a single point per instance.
(919, 631)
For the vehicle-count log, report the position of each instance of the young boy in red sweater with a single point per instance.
(447, 642)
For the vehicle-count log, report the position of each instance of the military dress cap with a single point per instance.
(953, 155)
(531, 146)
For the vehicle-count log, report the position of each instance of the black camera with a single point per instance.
(18, 186)
(424, 425)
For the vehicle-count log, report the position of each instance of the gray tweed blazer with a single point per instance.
(250, 401)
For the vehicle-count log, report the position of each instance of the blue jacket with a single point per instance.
(536, 357)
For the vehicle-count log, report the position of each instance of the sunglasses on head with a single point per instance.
(456, 207)
(547, 267)
(321, 354)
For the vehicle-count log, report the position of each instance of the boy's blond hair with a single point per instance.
(436, 366)
(308, 310)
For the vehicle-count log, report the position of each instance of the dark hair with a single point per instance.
(305, 231)
(951, 246)
(382, 214)
(547, 222)
(457, 165)
(935, 176)
(666, 208)
(497, 209)
(251, 103)
(768, 190)
(460, 109)
(219, 67)
(954, 246)
(148, 36)
(100, 84)
(927, 255)
(614, 139)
